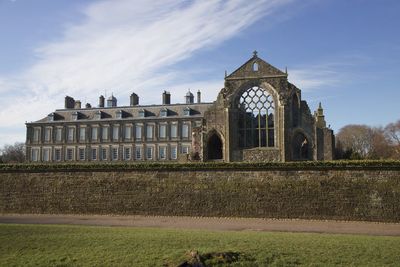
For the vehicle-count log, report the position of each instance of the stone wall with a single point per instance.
(261, 155)
(344, 194)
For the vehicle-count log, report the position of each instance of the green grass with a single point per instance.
(58, 245)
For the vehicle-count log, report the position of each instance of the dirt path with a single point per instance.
(224, 224)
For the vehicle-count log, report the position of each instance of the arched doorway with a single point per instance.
(214, 147)
(301, 147)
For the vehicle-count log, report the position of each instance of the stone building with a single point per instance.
(257, 116)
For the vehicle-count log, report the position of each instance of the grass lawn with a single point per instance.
(60, 245)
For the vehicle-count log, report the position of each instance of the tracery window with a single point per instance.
(256, 122)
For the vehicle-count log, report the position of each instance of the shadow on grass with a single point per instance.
(195, 259)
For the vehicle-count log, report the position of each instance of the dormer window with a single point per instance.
(97, 115)
(50, 117)
(75, 116)
(142, 113)
(164, 112)
(255, 66)
(187, 111)
(119, 114)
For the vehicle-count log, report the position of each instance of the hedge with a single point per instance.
(159, 166)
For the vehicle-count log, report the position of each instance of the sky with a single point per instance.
(343, 53)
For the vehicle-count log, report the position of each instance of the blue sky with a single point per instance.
(344, 53)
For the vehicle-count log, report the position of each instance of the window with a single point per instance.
(128, 132)
(82, 134)
(256, 119)
(163, 130)
(138, 153)
(104, 134)
(119, 114)
(149, 152)
(70, 154)
(70, 136)
(255, 66)
(115, 153)
(186, 111)
(97, 116)
(36, 134)
(174, 130)
(81, 152)
(50, 117)
(58, 134)
(47, 134)
(162, 151)
(115, 132)
(185, 130)
(57, 154)
(138, 132)
(75, 116)
(164, 112)
(46, 154)
(185, 150)
(94, 133)
(94, 153)
(149, 132)
(35, 154)
(127, 153)
(173, 152)
(104, 153)
(142, 113)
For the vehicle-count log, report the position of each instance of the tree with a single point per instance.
(392, 133)
(363, 142)
(13, 153)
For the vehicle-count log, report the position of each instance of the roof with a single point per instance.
(175, 111)
(263, 69)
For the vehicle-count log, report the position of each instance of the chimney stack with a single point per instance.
(198, 97)
(166, 98)
(134, 99)
(101, 101)
(78, 104)
(69, 102)
(88, 105)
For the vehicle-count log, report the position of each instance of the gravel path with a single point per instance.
(223, 224)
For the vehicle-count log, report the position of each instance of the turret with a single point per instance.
(320, 117)
(189, 98)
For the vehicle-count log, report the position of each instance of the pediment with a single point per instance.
(255, 67)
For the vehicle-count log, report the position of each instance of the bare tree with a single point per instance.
(392, 133)
(357, 139)
(13, 153)
(363, 142)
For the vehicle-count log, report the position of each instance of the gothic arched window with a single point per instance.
(256, 119)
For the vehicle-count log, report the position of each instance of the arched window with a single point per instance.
(255, 66)
(256, 119)
(301, 147)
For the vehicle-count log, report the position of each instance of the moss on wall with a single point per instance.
(348, 193)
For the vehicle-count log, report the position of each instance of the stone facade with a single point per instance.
(257, 116)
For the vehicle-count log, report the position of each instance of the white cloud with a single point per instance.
(122, 46)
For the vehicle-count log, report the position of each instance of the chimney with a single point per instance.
(198, 97)
(69, 102)
(166, 98)
(88, 105)
(134, 99)
(101, 101)
(78, 104)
